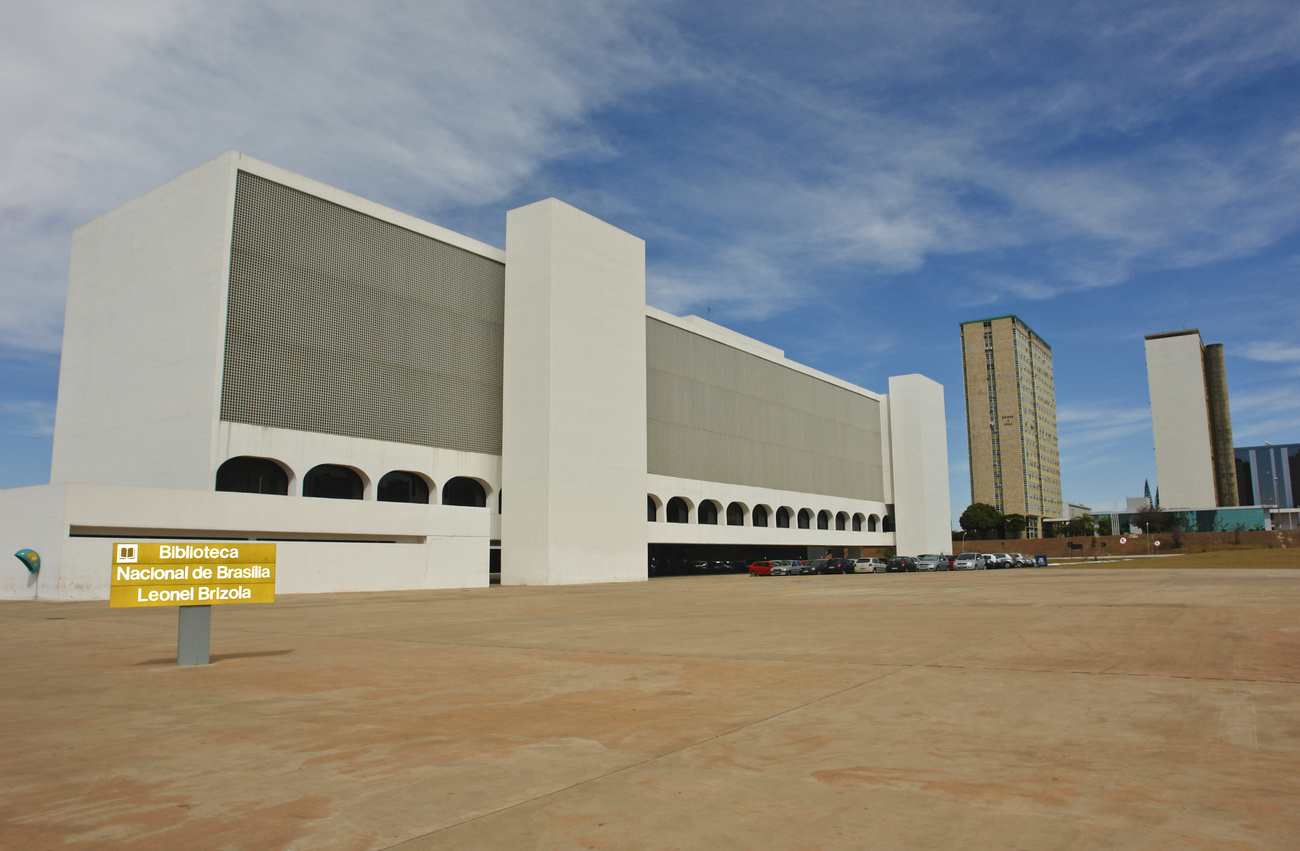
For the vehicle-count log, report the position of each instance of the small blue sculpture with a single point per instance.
(30, 559)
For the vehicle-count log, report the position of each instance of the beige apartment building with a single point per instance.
(1011, 419)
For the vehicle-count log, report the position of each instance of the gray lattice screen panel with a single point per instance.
(344, 324)
(720, 414)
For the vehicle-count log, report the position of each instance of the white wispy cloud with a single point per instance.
(1272, 352)
(420, 106)
(927, 144)
(29, 418)
(1079, 425)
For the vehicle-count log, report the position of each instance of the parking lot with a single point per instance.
(1035, 709)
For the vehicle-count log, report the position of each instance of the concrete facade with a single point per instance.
(244, 314)
(1011, 419)
(1180, 420)
(574, 424)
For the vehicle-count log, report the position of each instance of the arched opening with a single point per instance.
(651, 508)
(841, 522)
(708, 513)
(783, 518)
(857, 522)
(333, 481)
(464, 491)
(823, 519)
(678, 511)
(873, 523)
(805, 518)
(888, 523)
(735, 514)
(247, 474)
(760, 516)
(403, 486)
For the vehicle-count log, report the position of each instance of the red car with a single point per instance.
(775, 567)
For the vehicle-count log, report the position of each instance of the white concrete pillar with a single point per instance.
(573, 452)
(919, 454)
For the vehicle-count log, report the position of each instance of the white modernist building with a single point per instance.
(1190, 421)
(243, 339)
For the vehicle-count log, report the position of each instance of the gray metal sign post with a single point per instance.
(194, 636)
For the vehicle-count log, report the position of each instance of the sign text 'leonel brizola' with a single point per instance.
(192, 574)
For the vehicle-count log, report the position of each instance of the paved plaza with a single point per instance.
(1031, 709)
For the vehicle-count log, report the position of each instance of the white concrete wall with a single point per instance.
(30, 518)
(920, 465)
(336, 545)
(574, 402)
(139, 382)
(299, 451)
(1180, 421)
(694, 491)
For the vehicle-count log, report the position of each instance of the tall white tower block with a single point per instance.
(573, 476)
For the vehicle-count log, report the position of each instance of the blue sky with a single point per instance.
(848, 181)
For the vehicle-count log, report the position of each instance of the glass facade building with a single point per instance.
(1268, 475)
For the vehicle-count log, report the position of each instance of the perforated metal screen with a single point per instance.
(720, 414)
(344, 324)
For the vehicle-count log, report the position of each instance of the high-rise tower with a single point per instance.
(1011, 419)
(1190, 420)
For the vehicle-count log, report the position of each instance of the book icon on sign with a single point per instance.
(127, 553)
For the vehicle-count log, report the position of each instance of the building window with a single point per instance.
(403, 486)
(805, 518)
(760, 516)
(735, 514)
(463, 490)
(246, 474)
(678, 512)
(332, 481)
(783, 518)
(708, 513)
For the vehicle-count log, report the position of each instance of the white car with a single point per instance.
(969, 561)
(869, 565)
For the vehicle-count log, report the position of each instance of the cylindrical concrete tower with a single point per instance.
(1216, 397)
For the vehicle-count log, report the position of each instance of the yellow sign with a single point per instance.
(192, 574)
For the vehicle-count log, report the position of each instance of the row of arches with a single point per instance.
(709, 512)
(248, 474)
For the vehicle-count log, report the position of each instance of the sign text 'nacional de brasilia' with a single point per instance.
(192, 574)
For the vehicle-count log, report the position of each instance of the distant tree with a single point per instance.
(1104, 526)
(1014, 524)
(1077, 527)
(1151, 520)
(980, 518)
(1177, 526)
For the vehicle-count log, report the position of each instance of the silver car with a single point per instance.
(969, 561)
(931, 561)
(787, 568)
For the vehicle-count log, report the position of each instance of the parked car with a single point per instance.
(901, 564)
(775, 567)
(931, 561)
(969, 561)
(1023, 560)
(999, 560)
(816, 565)
(838, 565)
(869, 565)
